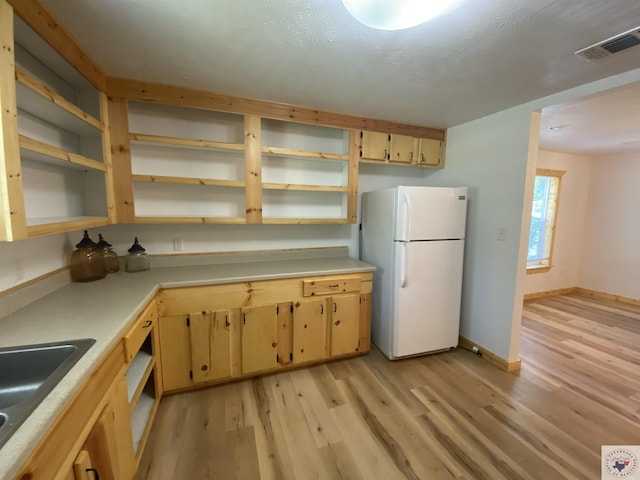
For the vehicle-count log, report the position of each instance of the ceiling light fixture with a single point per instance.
(395, 14)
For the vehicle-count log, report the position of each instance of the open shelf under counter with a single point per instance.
(140, 419)
(39, 100)
(137, 374)
(46, 153)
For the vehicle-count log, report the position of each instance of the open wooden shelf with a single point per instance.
(292, 220)
(307, 188)
(43, 152)
(288, 152)
(138, 373)
(41, 101)
(45, 226)
(190, 220)
(188, 181)
(145, 139)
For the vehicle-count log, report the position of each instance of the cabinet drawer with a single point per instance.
(142, 327)
(315, 287)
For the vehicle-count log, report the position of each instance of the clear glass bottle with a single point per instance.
(112, 263)
(87, 262)
(137, 260)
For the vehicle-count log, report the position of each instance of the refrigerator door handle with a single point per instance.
(403, 264)
(407, 217)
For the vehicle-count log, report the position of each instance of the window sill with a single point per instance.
(538, 269)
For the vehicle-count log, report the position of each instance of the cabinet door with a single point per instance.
(375, 145)
(98, 457)
(429, 152)
(210, 339)
(259, 338)
(175, 348)
(401, 149)
(309, 330)
(345, 321)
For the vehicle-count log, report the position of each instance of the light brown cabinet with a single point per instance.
(400, 149)
(309, 341)
(244, 329)
(107, 452)
(259, 338)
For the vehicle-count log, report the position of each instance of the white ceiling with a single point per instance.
(480, 57)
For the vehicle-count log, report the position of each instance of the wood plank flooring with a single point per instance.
(444, 416)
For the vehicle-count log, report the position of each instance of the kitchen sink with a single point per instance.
(28, 373)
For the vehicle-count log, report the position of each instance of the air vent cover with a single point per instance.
(612, 45)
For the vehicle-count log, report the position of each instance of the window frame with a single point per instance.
(539, 268)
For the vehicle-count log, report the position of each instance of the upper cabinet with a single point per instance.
(401, 149)
(187, 165)
(55, 139)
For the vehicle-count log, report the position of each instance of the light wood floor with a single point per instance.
(450, 415)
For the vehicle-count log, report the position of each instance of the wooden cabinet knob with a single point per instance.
(337, 322)
(204, 368)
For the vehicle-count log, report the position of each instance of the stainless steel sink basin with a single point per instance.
(28, 373)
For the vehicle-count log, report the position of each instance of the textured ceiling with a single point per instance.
(480, 57)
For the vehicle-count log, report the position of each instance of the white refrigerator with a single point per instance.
(415, 238)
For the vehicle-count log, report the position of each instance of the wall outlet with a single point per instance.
(177, 244)
(502, 234)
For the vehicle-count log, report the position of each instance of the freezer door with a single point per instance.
(426, 296)
(430, 213)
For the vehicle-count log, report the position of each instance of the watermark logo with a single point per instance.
(619, 461)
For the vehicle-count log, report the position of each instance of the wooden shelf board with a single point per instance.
(41, 101)
(285, 220)
(43, 152)
(287, 152)
(306, 188)
(141, 417)
(144, 139)
(190, 220)
(188, 181)
(45, 226)
(138, 372)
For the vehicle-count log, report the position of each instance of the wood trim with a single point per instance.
(65, 437)
(28, 283)
(489, 356)
(352, 174)
(538, 269)
(548, 172)
(54, 97)
(253, 169)
(12, 210)
(608, 296)
(184, 142)
(549, 293)
(55, 34)
(186, 97)
(188, 181)
(109, 179)
(121, 160)
(43, 148)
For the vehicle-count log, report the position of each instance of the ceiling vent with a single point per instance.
(612, 45)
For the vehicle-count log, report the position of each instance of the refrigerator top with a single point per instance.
(430, 213)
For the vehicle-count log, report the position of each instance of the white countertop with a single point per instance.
(105, 308)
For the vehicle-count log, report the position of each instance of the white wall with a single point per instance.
(570, 225)
(27, 259)
(611, 249)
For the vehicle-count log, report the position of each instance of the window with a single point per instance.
(546, 196)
